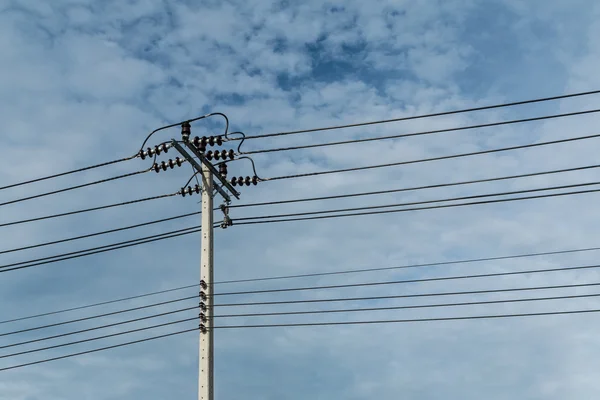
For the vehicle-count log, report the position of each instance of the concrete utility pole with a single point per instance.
(203, 166)
(206, 360)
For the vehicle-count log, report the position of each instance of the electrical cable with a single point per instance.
(33, 246)
(72, 321)
(438, 114)
(440, 263)
(96, 328)
(413, 203)
(414, 306)
(98, 304)
(261, 219)
(404, 281)
(439, 158)
(56, 346)
(37, 196)
(125, 203)
(108, 246)
(69, 172)
(96, 350)
(422, 133)
(154, 239)
(438, 319)
(440, 185)
(407, 296)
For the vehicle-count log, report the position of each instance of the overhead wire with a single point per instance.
(101, 249)
(37, 196)
(69, 239)
(102, 303)
(407, 307)
(85, 210)
(430, 115)
(413, 320)
(98, 349)
(266, 220)
(405, 281)
(61, 335)
(315, 274)
(439, 158)
(406, 296)
(56, 346)
(421, 133)
(119, 160)
(91, 317)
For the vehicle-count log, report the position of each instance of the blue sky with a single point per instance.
(84, 82)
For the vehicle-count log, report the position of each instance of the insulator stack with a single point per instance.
(223, 170)
(166, 165)
(189, 190)
(149, 152)
(186, 131)
(202, 142)
(244, 181)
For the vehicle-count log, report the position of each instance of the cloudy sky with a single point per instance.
(84, 82)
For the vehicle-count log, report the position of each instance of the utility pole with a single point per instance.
(202, 166)
(206, 345)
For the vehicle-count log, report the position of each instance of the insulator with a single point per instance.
(211, 141)
(202, 328)
(142, 154)
(203, 306)
(202, 317)
(178, 161)
(165, 147)
(203, 284)
(171, 164)
(150, 152)
(203, 296)
(234, 181)
(163, 165)
(189, 190)
(217, 155)
(231, 154)
(241, 181)
(156, 167)
(248, 180)
(182, 192)
(197, 189)
(157, 150)
(186, 130)
(196, 141)
(219, 141)
(209, 155)
(255, 180)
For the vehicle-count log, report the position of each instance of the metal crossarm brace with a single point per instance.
(198, 168)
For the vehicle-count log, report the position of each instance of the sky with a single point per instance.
(84, 82)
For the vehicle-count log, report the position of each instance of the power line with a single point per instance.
(439, 319)
(440, 185)
(439, 158)
(415, 306)
(125, 203)
(260, 219)
(69, 172)
(89, 251)
(98, 337)
(438, 114)
(37, 196)
(96, 328)
(33, 246)
(403, 281)
(441, 263)
(476, 196)
(96, 350)
(406, 296)
(430, 132)
(407, 266)
(72, 321)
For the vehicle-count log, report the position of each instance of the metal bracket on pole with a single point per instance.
(198, 168)
(213, 170)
